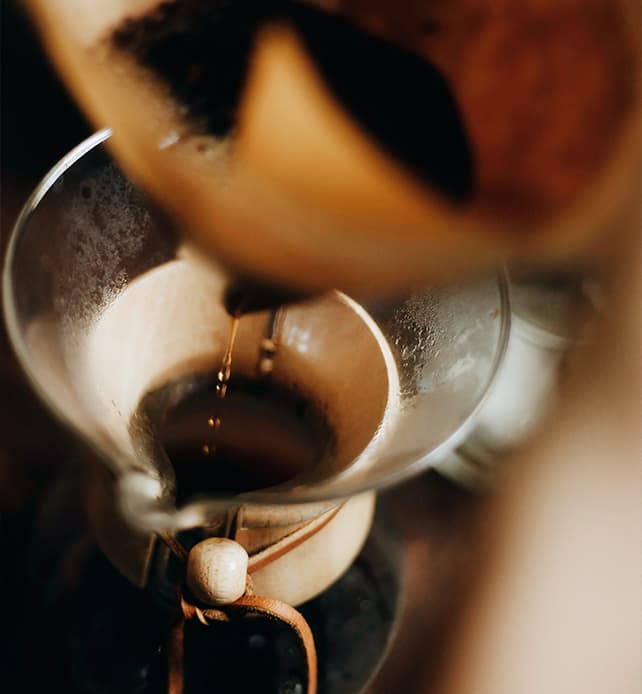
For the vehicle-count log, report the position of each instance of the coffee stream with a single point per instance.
(267, 352)
(222, 380)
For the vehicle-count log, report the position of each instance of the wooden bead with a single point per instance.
(217, 571)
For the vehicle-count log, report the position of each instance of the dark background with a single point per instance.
(38, 124)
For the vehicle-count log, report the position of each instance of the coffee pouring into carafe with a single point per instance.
(367, 148)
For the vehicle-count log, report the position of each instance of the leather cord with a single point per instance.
(249, 604)
(290, 542)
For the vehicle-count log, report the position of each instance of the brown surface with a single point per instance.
(544, 86)
(440, 524)
(549, 92)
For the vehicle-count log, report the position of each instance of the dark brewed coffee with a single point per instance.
(267, 434)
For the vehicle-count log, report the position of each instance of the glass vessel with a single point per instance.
(117, 323)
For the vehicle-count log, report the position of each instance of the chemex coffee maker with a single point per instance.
(251, 297)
